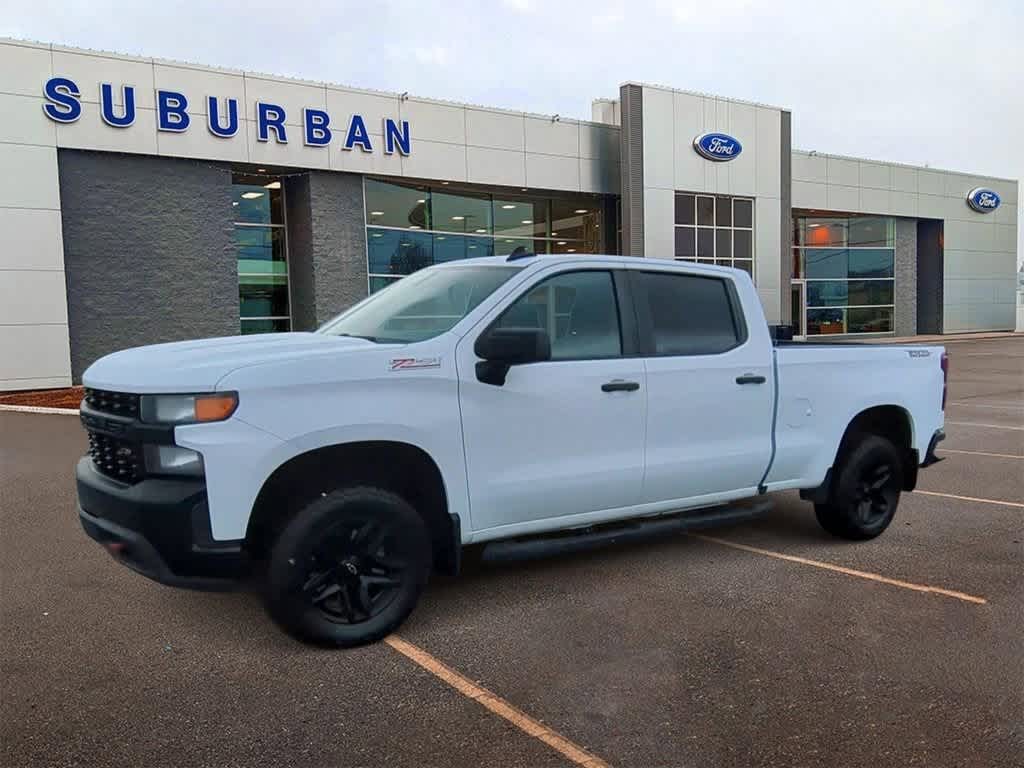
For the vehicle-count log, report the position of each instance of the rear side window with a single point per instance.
(577, 309)
(686, 314)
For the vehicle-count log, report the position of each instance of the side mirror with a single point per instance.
(501, 348)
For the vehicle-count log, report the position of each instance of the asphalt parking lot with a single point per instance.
(766, 643)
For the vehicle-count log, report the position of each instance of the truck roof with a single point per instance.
(526, 259)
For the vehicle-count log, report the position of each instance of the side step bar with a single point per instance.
(518, 550)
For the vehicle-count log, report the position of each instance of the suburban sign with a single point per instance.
(63, 105)
(983, 200)
(717, 146)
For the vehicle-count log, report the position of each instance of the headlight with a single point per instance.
(172, 460)
(188, 409)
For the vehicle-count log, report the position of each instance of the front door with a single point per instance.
(562, 437)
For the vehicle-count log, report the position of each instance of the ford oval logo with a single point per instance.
(717, 146)
(983, 200)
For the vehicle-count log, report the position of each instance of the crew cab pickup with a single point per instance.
(514, 401)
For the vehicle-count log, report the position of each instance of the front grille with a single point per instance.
(117, 403)
(115, 458)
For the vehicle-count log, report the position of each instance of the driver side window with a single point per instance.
(577, 309)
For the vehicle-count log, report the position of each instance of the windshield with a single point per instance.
(421, 306)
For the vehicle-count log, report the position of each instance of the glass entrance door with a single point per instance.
(798, 297)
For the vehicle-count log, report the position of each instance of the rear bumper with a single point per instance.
(159, 527)
(930, 457)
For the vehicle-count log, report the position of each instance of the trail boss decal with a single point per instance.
(411, 363)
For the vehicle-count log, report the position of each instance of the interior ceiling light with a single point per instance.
(561, 242)
(376, 234)
(261, 170)
(554, 234)
(234, 202)
(444, 183)
(414, 226)
(376, 213)
(440, 237)
(571, 250)
(508, 206)
(272, 185)
(482, 231)
(458, 218)
(251, 195)
(421, 200)
(581, 210)
(814, 225)
(527, 221)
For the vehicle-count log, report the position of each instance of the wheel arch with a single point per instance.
(402, 467)
(894, 423)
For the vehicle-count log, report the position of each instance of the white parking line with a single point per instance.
(986, 405)
(983, 453)
(38, 409)
(985, 426)
(970, 498)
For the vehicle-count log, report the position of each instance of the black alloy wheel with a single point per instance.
(866, 490)
(356, 570)
(349, 567)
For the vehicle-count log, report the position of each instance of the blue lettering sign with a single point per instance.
(170, 111)
(717, 146)
(394, 137)
(213, 118)
(127, 116)
(357, 134)
(316, 134)
(270, 116)
(983, 200)
(63, 105)
(62, 100)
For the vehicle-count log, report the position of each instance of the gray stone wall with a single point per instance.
(148, 250)
(905, 322)
(327, 245)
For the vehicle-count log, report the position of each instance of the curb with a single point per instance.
(38, 409)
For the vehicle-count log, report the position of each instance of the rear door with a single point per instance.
(709, 387)
(562, 437)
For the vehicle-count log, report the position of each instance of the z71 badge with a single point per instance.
(411, 363)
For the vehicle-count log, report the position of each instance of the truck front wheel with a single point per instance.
(349, 567)
(865, 492)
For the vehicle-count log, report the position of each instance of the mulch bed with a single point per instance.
(70, 397)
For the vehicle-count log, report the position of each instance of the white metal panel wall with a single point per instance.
(980, 249)
(671, 121)
(33, 302)
(450, 141)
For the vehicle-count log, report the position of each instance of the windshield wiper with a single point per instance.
(357, 336)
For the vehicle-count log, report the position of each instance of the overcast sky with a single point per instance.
(938, 82)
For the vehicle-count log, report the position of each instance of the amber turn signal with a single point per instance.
(215, 407)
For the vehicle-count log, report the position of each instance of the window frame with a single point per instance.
(281, 226)
(624, 308)
(645, 324)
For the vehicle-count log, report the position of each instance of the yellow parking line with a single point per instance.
(971, 498)
(983, 453)
(496, 704)
(846, 571)
(985, 426)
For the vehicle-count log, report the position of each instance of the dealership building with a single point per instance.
(148, 200)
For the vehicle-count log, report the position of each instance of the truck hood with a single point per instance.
(197, 366)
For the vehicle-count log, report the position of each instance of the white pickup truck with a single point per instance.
(535, 403)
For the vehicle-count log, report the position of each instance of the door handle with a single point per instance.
(749, 378)
(618, 385)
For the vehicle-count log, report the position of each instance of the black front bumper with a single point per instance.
(159, 527)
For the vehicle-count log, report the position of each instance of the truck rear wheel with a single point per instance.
(348, 568)
(866, 490)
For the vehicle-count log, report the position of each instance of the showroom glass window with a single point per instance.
(411, 226)
(715, 229)
(847, 263)
(258, 206)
